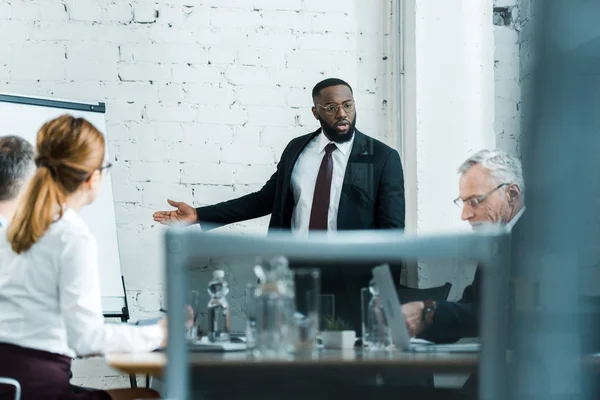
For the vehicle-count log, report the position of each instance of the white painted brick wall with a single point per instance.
(145, 12)
(38, 10)
(507, 87)
(119, 12)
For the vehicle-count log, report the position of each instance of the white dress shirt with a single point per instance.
(515, 219)
(50, 297)
(3, 221)
(304, 179)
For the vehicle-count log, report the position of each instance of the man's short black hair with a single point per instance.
(328, 83)
(16, 165)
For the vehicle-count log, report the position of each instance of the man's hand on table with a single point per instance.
(413, 313)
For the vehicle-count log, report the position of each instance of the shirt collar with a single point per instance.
(510, 224)
(343, 147)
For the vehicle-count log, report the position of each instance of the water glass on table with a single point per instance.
(193, 332)
(273, 324)
(307, 284)
(273, 309)
(326, 310)
(376, 333)
(250, 309)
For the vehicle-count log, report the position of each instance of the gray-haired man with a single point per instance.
(16, 167)
(491, 190)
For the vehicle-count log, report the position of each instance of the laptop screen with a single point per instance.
(391, 306)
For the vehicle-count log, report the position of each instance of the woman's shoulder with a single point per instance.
(3, 238)
(68, 227)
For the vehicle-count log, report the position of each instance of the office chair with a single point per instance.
(408, 294)
(12, 382)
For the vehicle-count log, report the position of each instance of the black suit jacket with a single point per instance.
(457, 320)
(372, 194)
(372, 197)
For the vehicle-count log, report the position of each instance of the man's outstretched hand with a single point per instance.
(183, 214)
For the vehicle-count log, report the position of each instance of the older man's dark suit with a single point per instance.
(456, 320)
(372, 197)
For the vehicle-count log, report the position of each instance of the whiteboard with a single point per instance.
(24, 116)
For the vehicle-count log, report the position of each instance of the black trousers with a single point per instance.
(41, 374)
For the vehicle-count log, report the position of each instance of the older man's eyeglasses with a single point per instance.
(476, 200)
(332, 109)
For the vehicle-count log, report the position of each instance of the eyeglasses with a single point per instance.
(101, 169)
(105, 167)
(332, 109)
(477, 200)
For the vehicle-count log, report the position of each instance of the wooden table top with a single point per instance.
(335, 360)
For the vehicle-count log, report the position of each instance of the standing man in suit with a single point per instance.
(336, 178)
(16, 167)
(491, 189)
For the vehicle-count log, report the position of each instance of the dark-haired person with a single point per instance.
(335, 178)
(16, 167)
(50, 303)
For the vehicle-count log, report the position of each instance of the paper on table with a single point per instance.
(205, 345)
(419, 341)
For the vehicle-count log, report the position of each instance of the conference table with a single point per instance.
(217, 363)
(340, 373)
(352, 373)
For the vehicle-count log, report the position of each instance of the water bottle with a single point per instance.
(218, 308)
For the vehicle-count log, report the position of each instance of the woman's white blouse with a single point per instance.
(50, 297)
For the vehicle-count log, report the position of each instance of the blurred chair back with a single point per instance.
(11, 382)
(409, 294)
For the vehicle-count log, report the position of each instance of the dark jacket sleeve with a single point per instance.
(456, 320)
(250, 206)
(390, 195)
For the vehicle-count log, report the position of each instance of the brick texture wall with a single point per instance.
(202, 96)
(508, 22)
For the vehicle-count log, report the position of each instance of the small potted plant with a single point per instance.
(336, 334)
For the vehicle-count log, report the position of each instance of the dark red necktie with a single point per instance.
(320, 204)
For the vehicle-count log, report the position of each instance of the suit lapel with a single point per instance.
(356, 178)
(359, 148)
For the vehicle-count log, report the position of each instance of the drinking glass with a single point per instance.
(307, 287)
(326, 309)
(376, 333)
(193, 331)
(250, 311)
